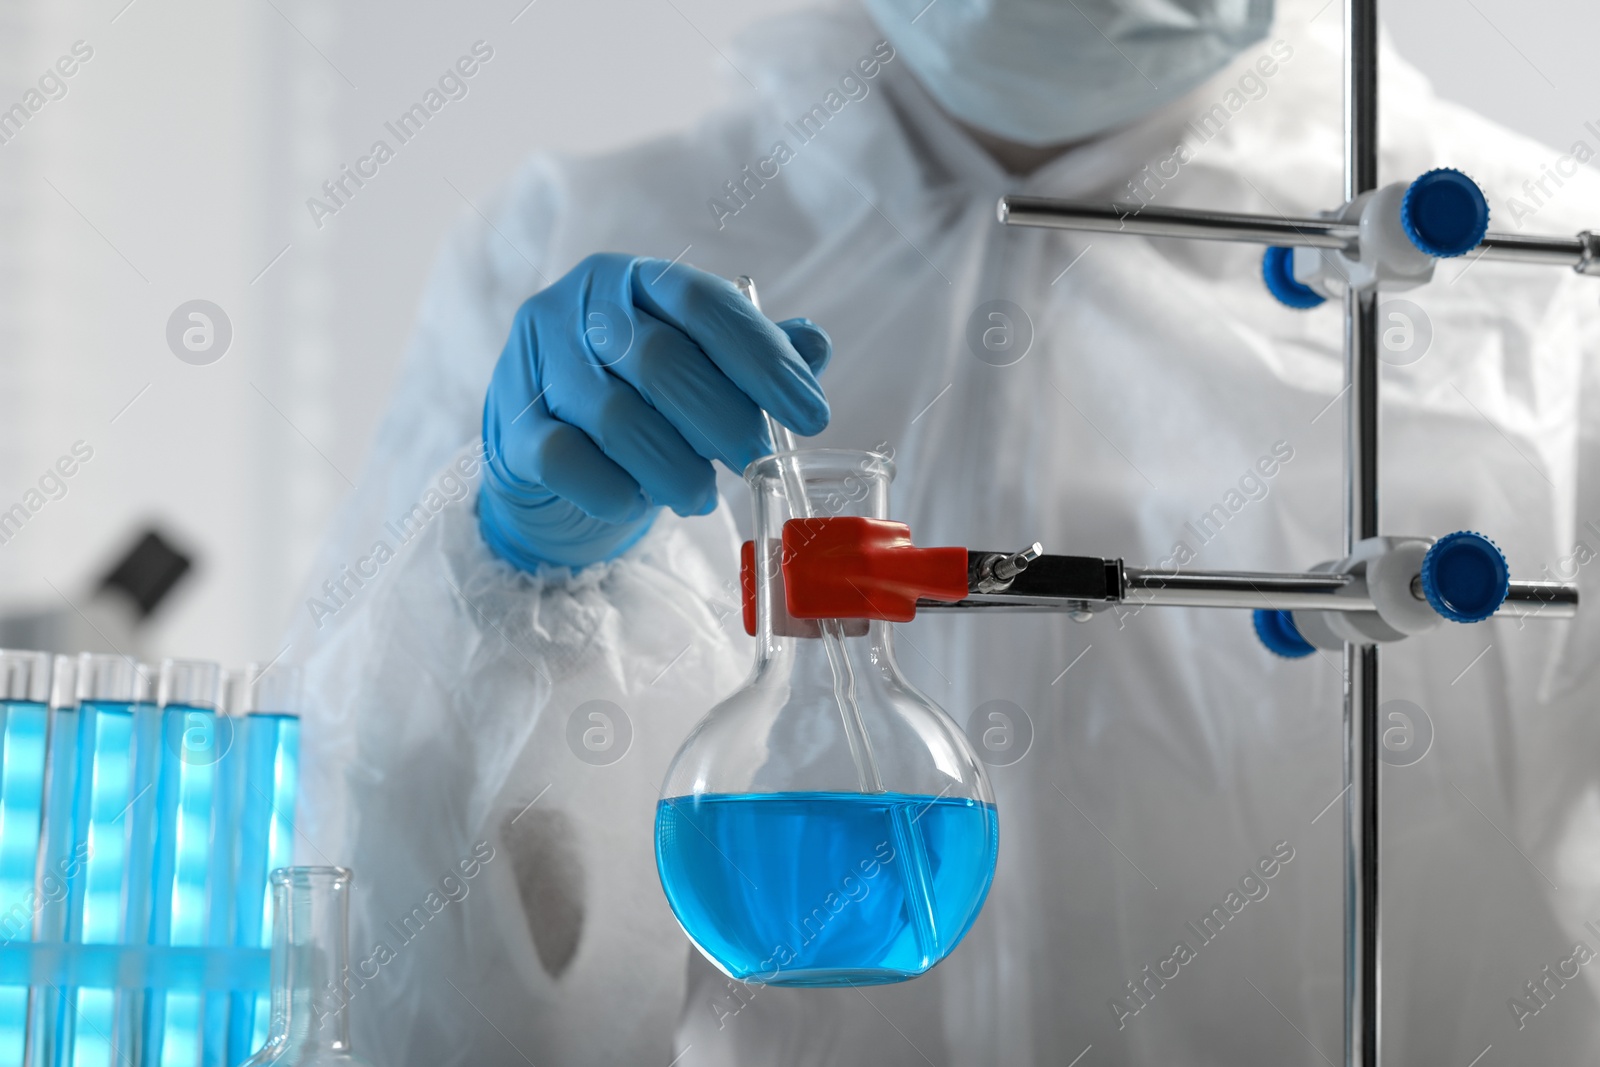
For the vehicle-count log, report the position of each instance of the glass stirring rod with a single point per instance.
(844, 677)
(782, 438)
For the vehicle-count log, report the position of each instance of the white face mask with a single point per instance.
(1045, 72)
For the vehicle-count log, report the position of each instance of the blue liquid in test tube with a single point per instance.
(271, 762)
(112, 692)
(139, 882)
(221, 878)
(105, 744)
(194, 744)
(24, 733)
(47, 1001)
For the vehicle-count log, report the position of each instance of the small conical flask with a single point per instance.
(310, 980)
(827, 824)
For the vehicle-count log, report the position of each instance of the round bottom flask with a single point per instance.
(827, 824)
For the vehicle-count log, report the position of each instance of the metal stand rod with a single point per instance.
(1363, 964)
(1362, 919)
(1117, 217)
(1362, 916)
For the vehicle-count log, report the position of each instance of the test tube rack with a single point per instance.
(138, 827)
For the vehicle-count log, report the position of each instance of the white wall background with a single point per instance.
(177, 167)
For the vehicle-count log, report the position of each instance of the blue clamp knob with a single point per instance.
(1465, 577)
(1444, 213)
(1277, 270)
(1277, 631)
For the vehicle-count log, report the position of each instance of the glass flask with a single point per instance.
(310, 985)
(827, 824)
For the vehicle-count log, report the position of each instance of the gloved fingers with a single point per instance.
(644, 443)
(563, 459)
(679, 380)
(744, 344)
(811, 341)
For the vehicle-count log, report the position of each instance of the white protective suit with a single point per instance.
(1165, 764)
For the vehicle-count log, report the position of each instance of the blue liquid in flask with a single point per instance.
(826, 889)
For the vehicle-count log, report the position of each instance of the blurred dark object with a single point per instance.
(109, 617)
(147, 573)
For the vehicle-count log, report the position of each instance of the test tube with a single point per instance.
(139, 883)
(54, 866)
(24, 736)
(112, 691)
(267, 701)
(193, 743)
(221, 877)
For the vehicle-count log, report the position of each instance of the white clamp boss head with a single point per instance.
(1403, 229)
(1412, 583)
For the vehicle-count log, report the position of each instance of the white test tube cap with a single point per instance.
(263, 688)
(115, 678)
(25, 675)
(190, 682)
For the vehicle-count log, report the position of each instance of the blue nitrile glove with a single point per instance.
(618, 386)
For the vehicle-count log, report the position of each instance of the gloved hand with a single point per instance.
(618, 386)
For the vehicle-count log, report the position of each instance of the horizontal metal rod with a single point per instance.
(1116, 217)
(1239, 589)
(1553, 600)
(1553, 251)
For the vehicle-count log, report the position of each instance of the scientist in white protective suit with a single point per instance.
(1149, 400)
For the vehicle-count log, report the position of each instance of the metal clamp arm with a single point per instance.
(1581, 253)
(1079, 584)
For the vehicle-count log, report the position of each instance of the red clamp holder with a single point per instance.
(848, 567)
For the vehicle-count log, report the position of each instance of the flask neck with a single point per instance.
(310, 972)
(806, 485)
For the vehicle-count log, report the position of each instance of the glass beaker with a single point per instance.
(310, 983)
(827, 824)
